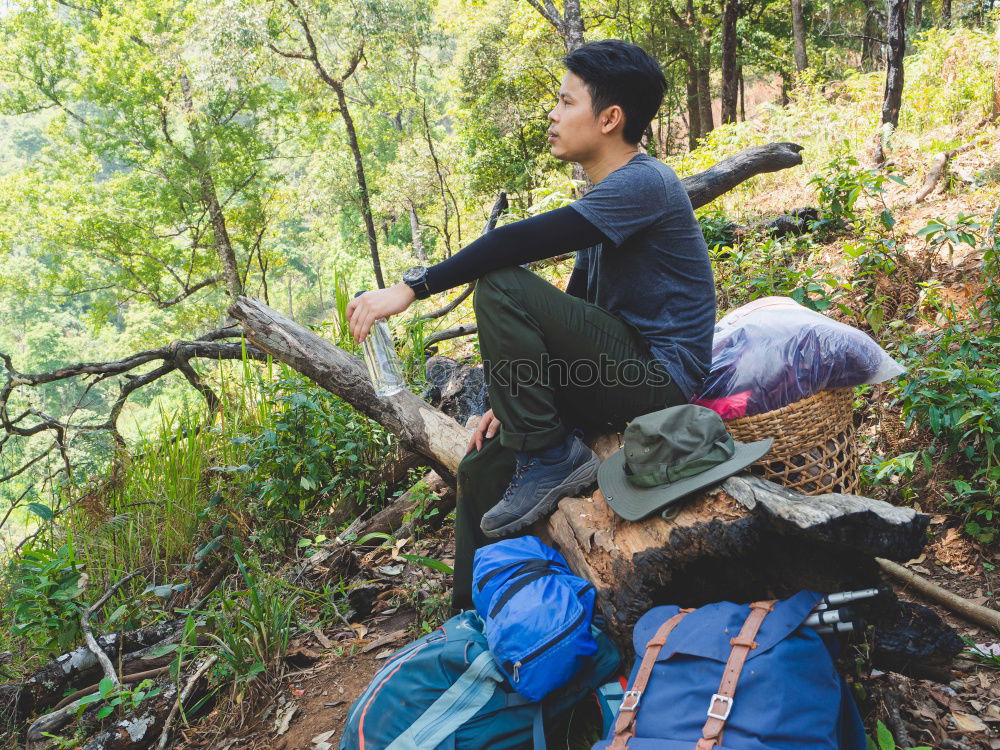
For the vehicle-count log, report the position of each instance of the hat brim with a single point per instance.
(634, 503)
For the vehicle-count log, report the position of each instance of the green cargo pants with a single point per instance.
(552, 362)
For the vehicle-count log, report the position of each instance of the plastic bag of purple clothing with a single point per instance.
(773, 352)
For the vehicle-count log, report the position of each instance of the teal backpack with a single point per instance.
(445, 691)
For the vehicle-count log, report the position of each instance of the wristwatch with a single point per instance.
(416, 279)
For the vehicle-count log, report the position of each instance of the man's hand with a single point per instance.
(487, 428)
(363, 311)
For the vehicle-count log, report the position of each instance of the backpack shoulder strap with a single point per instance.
(625, 724)
(722, 702)
(537, 722)
(455, 706)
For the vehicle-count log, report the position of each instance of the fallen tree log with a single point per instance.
(74, 669)
(419, 426)
(954, 603)
(137, 730)
(936, 171)
(750, 539)
(743, 540)
(706, 186)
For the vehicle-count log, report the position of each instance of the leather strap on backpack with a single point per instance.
(625, 723)
(722, 702)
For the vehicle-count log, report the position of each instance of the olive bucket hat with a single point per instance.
(669, 454)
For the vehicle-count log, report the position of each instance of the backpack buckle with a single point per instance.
(726, 701)
(630, 695)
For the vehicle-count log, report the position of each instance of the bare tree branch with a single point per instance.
(173, 357)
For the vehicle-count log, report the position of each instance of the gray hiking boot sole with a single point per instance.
(574, 484)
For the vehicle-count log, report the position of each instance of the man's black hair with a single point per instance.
(616, 72)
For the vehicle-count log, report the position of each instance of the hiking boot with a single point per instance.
(541, 479)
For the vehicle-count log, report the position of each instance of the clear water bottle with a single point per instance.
(384, 368)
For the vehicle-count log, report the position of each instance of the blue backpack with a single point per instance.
(537, 613)
(737, 677)
(445, 691)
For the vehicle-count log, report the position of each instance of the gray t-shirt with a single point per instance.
(658, 276)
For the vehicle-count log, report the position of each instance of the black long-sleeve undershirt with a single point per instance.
(544, 236)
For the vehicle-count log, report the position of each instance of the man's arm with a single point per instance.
(544, 236)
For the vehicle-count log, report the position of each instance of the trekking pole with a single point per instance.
(839, 627)
(845, 597)
(829, 616)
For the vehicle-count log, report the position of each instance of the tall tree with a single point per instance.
(337, 81)
(693, 44)
(893, 97)
(730, 70)
(704, 74)
(799, 36)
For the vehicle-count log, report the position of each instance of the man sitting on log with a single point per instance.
(631, 335)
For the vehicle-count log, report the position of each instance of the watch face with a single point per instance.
(413, 275)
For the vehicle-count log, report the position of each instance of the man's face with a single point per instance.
(574, 130)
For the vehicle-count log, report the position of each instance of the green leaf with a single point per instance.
(104, 712)
(106, 686)
(42, 511)
(116, 614)
(163, 650)
(374, 535)
(429, 562)
(885, 739)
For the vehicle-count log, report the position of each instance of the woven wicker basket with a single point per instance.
(814, 450)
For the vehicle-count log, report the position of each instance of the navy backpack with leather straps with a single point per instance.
(737, 677)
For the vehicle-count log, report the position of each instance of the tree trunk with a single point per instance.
(799, 34)
(896, 37)
(209, 196)
(359, 169)
(223, 245)
(946, 13)
(871, 48)
(573, 25)
(694, 114)
(569, 24)
(730, 72)
(743, 97)
(918, 15)
(705, 115)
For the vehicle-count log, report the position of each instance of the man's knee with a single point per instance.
(496, 284)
